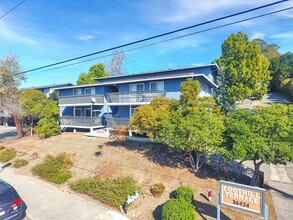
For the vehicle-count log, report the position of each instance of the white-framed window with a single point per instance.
(88, 112)
(88, 91)
(132, 110)
(205, 88)
(77, 112)
(157, 86)
(136, 87)
(76, 92)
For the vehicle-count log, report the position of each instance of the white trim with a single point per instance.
(84, 104)
(127, 103)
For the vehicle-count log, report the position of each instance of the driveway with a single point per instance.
(45, 201)
(7, 133)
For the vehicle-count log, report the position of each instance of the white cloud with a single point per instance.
(288, 35)
(257, 35)
(11, 36)
(85, 37)
(99, 33)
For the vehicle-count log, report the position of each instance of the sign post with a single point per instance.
(239, 196)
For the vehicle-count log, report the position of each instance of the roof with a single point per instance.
(49, 86)
(160, 71)
(116, 79)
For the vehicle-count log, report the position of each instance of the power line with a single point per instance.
(174, 38)
(12, 9)
(50, 23)
(156, 36)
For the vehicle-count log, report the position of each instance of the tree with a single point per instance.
(48, 124)
(31, 102)
(263, 135)
(281, 68)
(270, 51)
(95, 71)
(116, 65)
(148, 118)
(10, 79)
(245, 68)
(194, 127)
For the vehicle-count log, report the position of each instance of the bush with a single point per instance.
(7, 154)
(20, 163)
(122, 133)
(157, 189)
(47, 127)
(287, 86)
(178, 209)
(111, 191)
(185, 193)
(54, 169)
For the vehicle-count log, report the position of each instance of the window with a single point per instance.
(76, 92)
(132, 110)
(205, 88)
(88, 112)
(155, 86)
(77, 112)
(136, 87)
(87, 91)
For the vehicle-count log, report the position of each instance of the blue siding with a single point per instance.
(99, 90)
(67, 111)
(65, 92)
(123, 111)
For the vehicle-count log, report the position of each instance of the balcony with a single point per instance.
(80, 122)
(134, 97)
(81, 100)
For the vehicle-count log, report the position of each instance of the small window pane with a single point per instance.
(154, 86)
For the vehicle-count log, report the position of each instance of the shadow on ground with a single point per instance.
(157, 153)
(205, 209)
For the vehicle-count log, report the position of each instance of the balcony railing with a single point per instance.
(80, 121)
(80, 99)
(114, 122)
(133, 97)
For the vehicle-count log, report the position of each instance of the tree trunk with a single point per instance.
(195, 160)
(255, 177)
(17, 125)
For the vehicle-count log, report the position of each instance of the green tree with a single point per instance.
(95, 71)
(31, 102)
(48, 124)
(245, 68)
(195, 127)
(148, 118)
(281, 68)
(10, 80)
(270, 51)
(263, 135)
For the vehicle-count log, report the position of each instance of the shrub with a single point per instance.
(185, 193)
(54, 169)
(122, 133)
(20, 163)
(111, 191)
(157, 189)
(178, 209)
(7, 154)
(47, 127)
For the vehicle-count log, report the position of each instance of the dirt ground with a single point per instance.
(147, 163)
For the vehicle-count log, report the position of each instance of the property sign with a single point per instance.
(243, 197)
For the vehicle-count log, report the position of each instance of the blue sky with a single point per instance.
(44, 32)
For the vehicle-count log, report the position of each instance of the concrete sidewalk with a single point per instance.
(45, 201)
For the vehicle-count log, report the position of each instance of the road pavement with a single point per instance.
(45, 201)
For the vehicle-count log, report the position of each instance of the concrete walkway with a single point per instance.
(45, 201)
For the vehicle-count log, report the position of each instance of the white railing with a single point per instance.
(132, 97)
